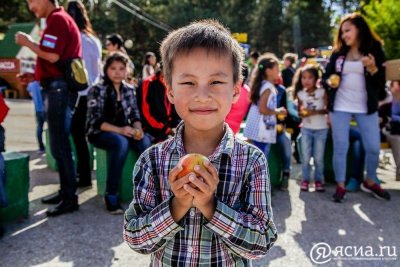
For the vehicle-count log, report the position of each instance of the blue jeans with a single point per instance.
(358, 154)
(313, 145)
(57, 107)
(264, 147)
(40, 119)
(369, 130)
(117, 146)
(285, 146)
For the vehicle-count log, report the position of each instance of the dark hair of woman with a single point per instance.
(77, 11)
(367, 39)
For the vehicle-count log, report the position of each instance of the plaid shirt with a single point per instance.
(96, 99)
(242, 227)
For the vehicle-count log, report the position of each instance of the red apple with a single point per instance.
(188, 163)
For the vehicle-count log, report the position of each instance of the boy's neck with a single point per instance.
(202, 142)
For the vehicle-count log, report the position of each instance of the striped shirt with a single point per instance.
(242, 227)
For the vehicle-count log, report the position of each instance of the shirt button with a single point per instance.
(190, 249)
(192, 213)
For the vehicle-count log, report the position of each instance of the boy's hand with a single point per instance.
(182, 197)
(203, 195)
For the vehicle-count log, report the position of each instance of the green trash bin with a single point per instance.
(51, 161)
(275, 165)
(17, 186)
(125, 191)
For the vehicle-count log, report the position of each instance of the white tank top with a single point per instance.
(352, 93)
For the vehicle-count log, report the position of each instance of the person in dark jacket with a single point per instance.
(113, 123)
(355, 81)
(159, 117)
(289, 59)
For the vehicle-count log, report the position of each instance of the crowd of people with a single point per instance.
(295, 106)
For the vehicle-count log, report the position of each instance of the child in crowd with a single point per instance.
(261, 120)
(219, 214)
(312, 108)
(35, 91)
(283, 138)
(3, 196)
(392, 133)
(113, 123)
(239, 109)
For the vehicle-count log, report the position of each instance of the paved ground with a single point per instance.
(92, 237)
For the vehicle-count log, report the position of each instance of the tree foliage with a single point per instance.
(384, 18)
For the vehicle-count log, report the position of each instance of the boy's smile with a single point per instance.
(203, 89)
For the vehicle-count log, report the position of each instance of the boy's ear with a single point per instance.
(236, 91)
(170, 94)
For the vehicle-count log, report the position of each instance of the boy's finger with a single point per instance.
(179, 183)
(213, 171)
(174, 172)
(200, 184)
(192, 191)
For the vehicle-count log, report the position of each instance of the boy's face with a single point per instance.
(202, 88)
(38, 7)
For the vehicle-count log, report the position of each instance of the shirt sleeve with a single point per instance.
(55, 36)
(95, 107)
(148, 224)
(249, 232)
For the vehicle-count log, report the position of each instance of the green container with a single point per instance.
(17, 186)
(125, 191)
(275, 165)
(51, 161)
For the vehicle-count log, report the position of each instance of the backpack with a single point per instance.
(75, 74)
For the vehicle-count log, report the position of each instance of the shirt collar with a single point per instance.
(225, 146)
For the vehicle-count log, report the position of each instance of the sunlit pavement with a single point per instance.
(353, 232)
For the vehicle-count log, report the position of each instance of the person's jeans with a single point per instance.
(368, 125)
(40, 119)
(284, 143)
(313, 145)
(58, 111)
(117, 146)
(79, 136)
(357, 153)
(264, 147)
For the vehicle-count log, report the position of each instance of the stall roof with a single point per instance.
(8, 47)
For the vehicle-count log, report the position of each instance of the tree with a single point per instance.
(383, 17)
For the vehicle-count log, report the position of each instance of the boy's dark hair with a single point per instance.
(296, 84)
(208, 34)
(266, 61)
(77, 10)
(291, 57)
(255, 55)
(116, 56)
(367, 39)
(115, 39)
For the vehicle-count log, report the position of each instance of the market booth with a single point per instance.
(15, 60)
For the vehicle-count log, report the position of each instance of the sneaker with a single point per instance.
(285, 181)
(304, 185)
(353, 185)
(112, 204)
(319, 187)
(339, 195)
(376, 190)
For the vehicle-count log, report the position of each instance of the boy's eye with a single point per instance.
(217, 82)
(186, 83)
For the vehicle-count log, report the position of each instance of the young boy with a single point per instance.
(220, 214)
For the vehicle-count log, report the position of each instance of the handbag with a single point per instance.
(75, 74)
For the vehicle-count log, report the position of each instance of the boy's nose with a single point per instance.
(203, 94)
